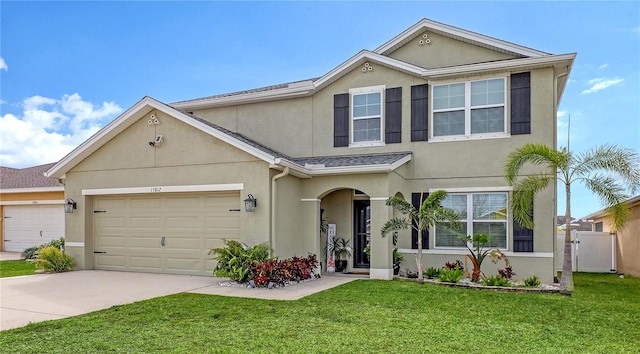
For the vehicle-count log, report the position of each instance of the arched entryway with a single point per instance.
(347, 212)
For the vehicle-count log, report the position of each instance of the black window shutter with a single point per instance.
(521, 103)
(393, 116)
(419, 112)
(341, 120)
(416, 202)
(522, 237)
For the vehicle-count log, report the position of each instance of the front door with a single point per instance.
(361, 232)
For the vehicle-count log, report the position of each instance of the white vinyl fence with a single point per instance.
(593, 252)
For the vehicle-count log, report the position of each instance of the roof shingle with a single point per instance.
(30, 177)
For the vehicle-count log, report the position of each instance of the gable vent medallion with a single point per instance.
(424, 40)
(367, 67)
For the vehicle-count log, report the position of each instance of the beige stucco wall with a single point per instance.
(303, 127)
(452, 164)
(443, 52)
(186, 157)
(32, 197)
(628, 241)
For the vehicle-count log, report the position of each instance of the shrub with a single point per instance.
(495, 280)
(235, 258)
(432, 273)
(507, 273)
(454, 265)
(532, 282)
(451, 275)
(51, 259)
(284, 271)
(32, 252)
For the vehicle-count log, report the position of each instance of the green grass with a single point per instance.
(602, 316)
(16, 268)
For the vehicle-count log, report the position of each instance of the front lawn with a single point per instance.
(603, 316)
(16, 268)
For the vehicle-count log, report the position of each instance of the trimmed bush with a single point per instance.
(451, 275)
(32, 252)
(532, 282)
(235, 258)
(432, 273)
(53, 260)
(495, 280)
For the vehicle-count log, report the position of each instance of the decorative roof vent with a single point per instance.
(424, 40)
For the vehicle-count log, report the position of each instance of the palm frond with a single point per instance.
(536, 154)
(613, 196)
(618, 161)
(401, 205)
(395, 224)
(523, 195)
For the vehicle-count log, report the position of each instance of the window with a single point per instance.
(469, 109)
(599, 226)
(485, 213)
(366, 115)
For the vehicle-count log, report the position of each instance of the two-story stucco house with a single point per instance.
(436, 107)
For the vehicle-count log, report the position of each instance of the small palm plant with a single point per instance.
(427, 216)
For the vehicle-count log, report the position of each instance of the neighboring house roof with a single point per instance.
(633, 202)
(302, 167)
(526, 59)
(585, 224)
(30, 179)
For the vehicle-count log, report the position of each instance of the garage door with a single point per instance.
(163, 234)
(31, 225)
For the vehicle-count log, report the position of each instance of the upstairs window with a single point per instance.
(366, 115)
(471, 109)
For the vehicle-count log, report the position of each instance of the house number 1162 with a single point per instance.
(156, 189)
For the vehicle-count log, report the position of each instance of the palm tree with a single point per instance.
(595, 169)
(429, 214)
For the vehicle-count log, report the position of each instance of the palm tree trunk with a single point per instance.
(420, 275)
(566, 282)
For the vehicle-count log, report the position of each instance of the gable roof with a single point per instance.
(300, 166)
(459, 34)
(30, 179)
(526, 59)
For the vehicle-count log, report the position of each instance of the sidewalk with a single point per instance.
(10, 256)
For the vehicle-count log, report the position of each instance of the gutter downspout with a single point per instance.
(272, 241)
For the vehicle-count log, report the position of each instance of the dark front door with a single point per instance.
(361, 232)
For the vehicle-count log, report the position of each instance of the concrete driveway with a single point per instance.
(41, 297)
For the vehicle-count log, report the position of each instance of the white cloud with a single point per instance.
(601, 84)
(603, 66)
(48, 129)
(3, 65)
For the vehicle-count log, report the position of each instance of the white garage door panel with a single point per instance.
(31, 225)
(131, 230)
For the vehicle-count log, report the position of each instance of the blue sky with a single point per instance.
(68, 68)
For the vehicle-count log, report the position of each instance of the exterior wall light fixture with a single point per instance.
(250, 204)
(69, 206)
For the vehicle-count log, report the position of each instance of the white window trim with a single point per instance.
(467, 114)
(363, 90)
(470, 191)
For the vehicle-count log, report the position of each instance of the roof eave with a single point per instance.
(32, 190)
(510, 64)
(458, 33)
(283, 93)
(308, 172)
(133, 114)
